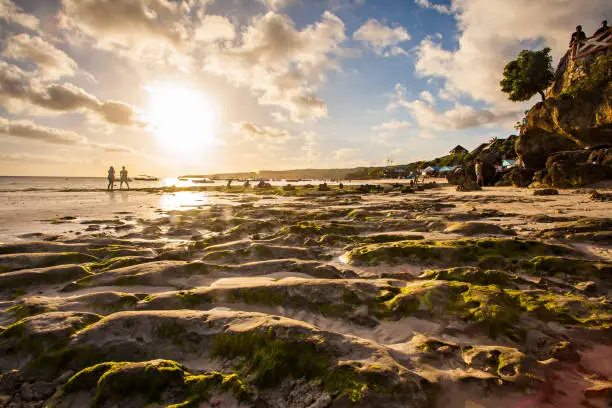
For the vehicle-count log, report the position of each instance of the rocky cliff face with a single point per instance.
(576, 115)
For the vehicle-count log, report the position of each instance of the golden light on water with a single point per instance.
(183, 119)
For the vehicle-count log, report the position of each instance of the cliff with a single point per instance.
(576, 115)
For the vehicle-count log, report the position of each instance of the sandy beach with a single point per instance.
(495, 298)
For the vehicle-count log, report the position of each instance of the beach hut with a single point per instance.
(459, 150)
(508, 163)
(446, 169)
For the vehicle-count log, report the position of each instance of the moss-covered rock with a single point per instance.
(138, 384)
(15, 283)
(38, 335)
(456, 252)
(14, 262)
(473, 275)
(565, 267)
(476, 228)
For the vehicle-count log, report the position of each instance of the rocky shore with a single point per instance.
(320, 299)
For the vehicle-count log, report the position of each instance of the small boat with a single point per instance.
(144, 177)
(203, 181)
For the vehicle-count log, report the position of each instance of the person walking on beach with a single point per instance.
(111, 179)
(123, 174)
(479, 177)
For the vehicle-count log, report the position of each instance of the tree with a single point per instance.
(527, 75)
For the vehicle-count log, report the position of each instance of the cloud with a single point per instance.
(277, 4)
(255, 132)
(282, 65)
(492, 32)
(13, 14)
(345, 153)
(51, 62)
(22, 91)
(214, 28)
(391, 126)
(440, 8)
(26, 129)
(382, 39)
(457, 117)
(127, 23)
(427, 97)
(36, 158)
(111, 148)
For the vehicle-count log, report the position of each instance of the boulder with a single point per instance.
(535, 143)
(572, 169)
(519, 177)
(546, 192)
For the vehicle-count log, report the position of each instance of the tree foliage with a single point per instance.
(527, 75)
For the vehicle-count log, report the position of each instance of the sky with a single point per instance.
(171, 87)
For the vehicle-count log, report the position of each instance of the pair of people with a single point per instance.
(579, 35)
(123, 178)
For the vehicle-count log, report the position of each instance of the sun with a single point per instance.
(181, 117)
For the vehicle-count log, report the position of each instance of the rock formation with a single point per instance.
(576, 115)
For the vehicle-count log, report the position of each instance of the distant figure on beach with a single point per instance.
(123, 174)
(111, 178)
(479, 177)
(604, 27)
(578, 36)
(229, 183)
(341, 186)
(247, 184)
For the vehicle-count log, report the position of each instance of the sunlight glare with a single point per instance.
(182, 118)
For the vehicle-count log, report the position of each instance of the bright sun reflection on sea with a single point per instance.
(183, 200)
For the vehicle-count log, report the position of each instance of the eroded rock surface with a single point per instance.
(331, 300)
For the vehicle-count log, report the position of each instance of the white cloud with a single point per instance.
(440, 8)
(277, 4)
(26, 129)
(51, 61)
(37, 158)
(382, 39)
(345, 153)
(214, 28)
(282, 65)
(13, 14)
(458, 117)
(492, 32)
(391, 126)
(397, 98)
(427, 97)
(21, 91)
(156, 30)
(255, 132)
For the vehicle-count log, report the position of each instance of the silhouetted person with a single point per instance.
(479, 175)
(111, 178)
(229, 183)
(341, 186)
(604, 27)
(123, 174)
(578, 36)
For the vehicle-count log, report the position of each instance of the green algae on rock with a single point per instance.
(158, 381)
(464, 251)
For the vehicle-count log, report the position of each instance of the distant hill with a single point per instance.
(317, 174)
